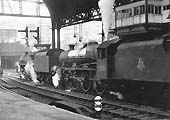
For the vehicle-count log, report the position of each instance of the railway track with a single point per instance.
(135, 112)
(111, 109)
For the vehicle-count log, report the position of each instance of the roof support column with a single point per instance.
(58, 38)
(53, 34)
(58, 33)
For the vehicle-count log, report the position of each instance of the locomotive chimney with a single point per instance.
(71, 47)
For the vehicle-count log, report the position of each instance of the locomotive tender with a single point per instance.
(137, 65)
(44, 61)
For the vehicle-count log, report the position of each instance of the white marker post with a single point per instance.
(98, 106)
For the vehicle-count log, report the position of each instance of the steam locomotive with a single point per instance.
(76, 66)
(136, 65)
(136, 69)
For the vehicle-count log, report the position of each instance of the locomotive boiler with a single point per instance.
(86, 54)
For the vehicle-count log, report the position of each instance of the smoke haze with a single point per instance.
(107, 15)
(117, 94)
(30, 71)
(56, 73)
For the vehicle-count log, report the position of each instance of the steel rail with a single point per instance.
(115, 108)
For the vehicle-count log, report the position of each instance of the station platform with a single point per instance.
(16, 107)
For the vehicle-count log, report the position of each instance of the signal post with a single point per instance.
(37, 31)
(26, 35)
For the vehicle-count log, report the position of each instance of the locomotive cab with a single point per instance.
(105, 64)
(101, 72)
(105, 61)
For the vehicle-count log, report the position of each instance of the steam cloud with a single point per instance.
(55, 80)
(29, 69)
(117, 94)
(17, 66)
(107, 16)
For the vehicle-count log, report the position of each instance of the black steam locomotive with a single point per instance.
(137, 65)
(137, 70)
(77, 67)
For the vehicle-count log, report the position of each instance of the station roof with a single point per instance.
(67, 8)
